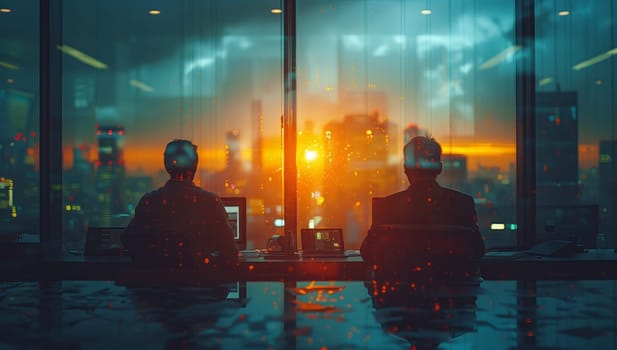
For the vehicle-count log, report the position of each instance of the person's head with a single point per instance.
(422, 159)
(181, 159)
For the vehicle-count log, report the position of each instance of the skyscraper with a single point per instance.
(557, 147)
(110, 174)
(608, 185)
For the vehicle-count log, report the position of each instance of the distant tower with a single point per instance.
(232, 149)
(110, 173)
(557, 147)
(257, 115)
(608, 187)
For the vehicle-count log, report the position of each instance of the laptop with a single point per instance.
(104, 241)
(322, 242)
(236, 216)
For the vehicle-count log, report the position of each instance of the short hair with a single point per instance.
(422, 153)
(180, 158)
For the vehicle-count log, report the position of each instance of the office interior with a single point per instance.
(303, 108)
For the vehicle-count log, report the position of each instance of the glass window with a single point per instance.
(136, 76)
(373, 74)
(19, 121)
(576, 147)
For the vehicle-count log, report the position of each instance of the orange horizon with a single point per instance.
(149, 159)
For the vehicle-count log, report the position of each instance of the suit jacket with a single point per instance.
(181, 208)
(434, 205)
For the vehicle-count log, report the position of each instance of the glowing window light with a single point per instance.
(276, 11)
(498, 227)
(563, 13)
(426, 12)
(5, 10)
(310, 155)
(154, 12)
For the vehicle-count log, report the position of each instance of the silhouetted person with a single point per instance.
(180, 224)
(426, 206)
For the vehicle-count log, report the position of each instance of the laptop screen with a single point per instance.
(236, 214)
(322, 240)
(104, 241)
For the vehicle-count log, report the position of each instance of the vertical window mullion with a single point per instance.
(290, 175)
(50, 124)
(525, 124)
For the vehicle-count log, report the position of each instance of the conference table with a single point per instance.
(499, 265)
(518, 301)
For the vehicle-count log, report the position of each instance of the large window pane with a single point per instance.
(19, 121)
(575, 115)
(373, 74)
(205, 71)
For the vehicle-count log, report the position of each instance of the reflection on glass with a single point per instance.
(575, 128)
(193, 70)
(374, 74)
(19, 122)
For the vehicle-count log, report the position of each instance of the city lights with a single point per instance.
(498, 227)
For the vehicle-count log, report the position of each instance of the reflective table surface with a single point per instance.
(311, 315)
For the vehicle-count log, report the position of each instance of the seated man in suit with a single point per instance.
(181, 224)
(425, 202)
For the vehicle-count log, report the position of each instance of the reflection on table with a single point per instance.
(310, 315)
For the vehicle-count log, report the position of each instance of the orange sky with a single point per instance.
(485, 154)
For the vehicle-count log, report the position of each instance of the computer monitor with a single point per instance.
(236, 214)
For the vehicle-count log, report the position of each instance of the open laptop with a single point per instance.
(104, 241)
(236, 214)
(322, 242)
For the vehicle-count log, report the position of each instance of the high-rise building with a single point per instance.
(110, 174)
(557, 147)
(357, 167)
(607, 201)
